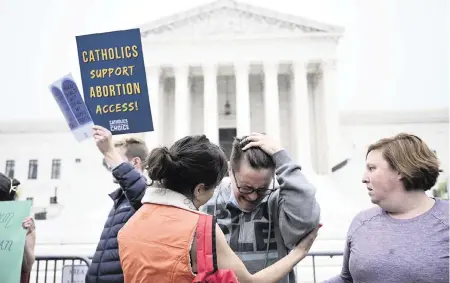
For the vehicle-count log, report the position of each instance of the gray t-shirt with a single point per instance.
(381, 249)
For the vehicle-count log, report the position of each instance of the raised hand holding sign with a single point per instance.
(68, 98)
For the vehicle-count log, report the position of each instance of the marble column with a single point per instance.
(301, 114)
(153, 139)
(242, 99)
(210, 104)
(182, 102)
(271, 100)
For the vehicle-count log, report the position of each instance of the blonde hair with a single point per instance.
(134, 147)
(412, 158)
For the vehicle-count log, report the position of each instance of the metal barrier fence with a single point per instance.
(54, 268)
(321, 254)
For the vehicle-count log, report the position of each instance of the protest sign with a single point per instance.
(68, 97)
(114, 81)
(12, 239)
(74, 273)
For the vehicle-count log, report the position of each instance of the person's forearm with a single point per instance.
(132, 182)
(113, 158)
(28, 254)
(278, 270)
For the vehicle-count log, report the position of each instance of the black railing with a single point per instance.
(50, 268)
(321, 254)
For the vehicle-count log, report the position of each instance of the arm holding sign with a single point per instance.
(132, 182)
(30, 242)
(130, 179)
(103, 139)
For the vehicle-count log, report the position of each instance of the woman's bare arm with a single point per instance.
(227, 259)
(30, 242)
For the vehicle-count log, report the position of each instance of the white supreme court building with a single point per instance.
(227, 69)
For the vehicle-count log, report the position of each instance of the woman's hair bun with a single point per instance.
(159, 162)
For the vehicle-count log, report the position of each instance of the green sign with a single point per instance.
(12, 239)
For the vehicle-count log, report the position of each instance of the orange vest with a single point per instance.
(154, 245)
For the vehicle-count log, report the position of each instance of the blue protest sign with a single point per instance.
(114, 81)
(69, 100)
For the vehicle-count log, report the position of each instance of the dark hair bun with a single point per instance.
(190, 161)
(159, 163)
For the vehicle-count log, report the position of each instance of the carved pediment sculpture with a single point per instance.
(231, 18)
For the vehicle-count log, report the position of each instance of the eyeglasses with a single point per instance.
(249, 190)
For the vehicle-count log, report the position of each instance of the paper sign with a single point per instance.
(68, 97)
(74, 273)
(114, 81)
(12, 239)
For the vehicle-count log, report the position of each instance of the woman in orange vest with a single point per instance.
(169, 241)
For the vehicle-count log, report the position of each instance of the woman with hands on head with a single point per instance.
(162, 242)
(270, 195)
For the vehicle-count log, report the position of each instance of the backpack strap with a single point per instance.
(206, 244)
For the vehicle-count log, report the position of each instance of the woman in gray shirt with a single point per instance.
(406, 237)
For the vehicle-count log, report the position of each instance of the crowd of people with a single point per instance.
(185, 213)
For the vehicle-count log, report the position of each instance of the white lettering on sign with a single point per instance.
(118, 125)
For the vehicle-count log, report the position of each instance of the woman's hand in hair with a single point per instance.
(264, 142)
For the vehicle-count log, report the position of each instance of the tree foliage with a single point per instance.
(441, 190)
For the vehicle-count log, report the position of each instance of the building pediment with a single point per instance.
(226, 17)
